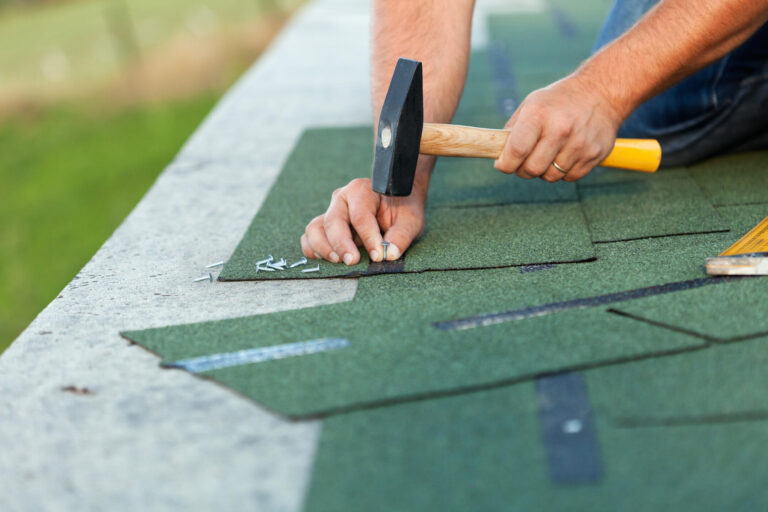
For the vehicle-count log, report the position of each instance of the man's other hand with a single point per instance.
(568, 122)
(357, 217)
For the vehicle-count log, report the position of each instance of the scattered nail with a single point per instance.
(209, 277)
(262, 262)
(217, 264)
(312, 269)
(348, 258)
(265, 268)
(302, 261)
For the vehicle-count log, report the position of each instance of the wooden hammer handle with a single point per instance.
(455, 140)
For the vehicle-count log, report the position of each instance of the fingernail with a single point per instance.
(374, 255)
(348, 258)
(334, 257)
(317, 256)
(393, 253)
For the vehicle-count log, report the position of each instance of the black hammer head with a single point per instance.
(399, 132)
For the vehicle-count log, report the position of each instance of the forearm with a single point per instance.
(435, 32)
(673, 40)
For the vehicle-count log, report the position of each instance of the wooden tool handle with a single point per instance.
(454, 140)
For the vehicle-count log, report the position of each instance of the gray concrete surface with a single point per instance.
(151, 439)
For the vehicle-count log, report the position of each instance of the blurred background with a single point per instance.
(96, 97)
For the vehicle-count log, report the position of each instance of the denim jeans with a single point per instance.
(722, 108)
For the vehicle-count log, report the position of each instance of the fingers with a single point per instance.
(314, 243)
(367, 229)
(567, 122)
(336, 225)
(522, 138)
(349, 221)
(566, 159)
(588, 157)
(539, 162)
(577, 158)
(401, 235)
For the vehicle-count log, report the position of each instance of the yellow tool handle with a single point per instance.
(455, 140)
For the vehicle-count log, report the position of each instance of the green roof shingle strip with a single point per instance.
(481, 237)
(734, 179)
(483, 451)
(397, 354)
(648, 205)
(474, 181)
(731, 311)
(724, 383)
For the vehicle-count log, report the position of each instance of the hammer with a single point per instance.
(403, 134)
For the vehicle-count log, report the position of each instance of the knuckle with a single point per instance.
(533, 107)
(336, 193)
(315, 223)
(523, 175)
(561, 127)
(516, 152)
(578, 143)
(551, 178)
(576, 174)
(532, 170)
(503, 167)
(593, 152)
(359, 183)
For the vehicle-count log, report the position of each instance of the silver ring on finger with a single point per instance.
(559, 168)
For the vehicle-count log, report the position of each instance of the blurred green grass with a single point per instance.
(67, 43)
(69, 177)
(82, 131)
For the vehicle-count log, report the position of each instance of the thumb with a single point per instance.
(400, 236)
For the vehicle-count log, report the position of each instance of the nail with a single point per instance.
(311, 269)
(217, 264)
(334, 257)
(348, 258)
(209, 277)
(374, 255)
(393, 253)
(302, 261)
(384, 247)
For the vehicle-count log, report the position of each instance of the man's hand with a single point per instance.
(357, 216)
(567, 122)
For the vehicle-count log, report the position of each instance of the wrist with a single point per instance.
(616, 94)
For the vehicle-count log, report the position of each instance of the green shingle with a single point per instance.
(492, 236)
(723, 381)
(648, 205)
(734, 179)
(483, 451)
(396, 354)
